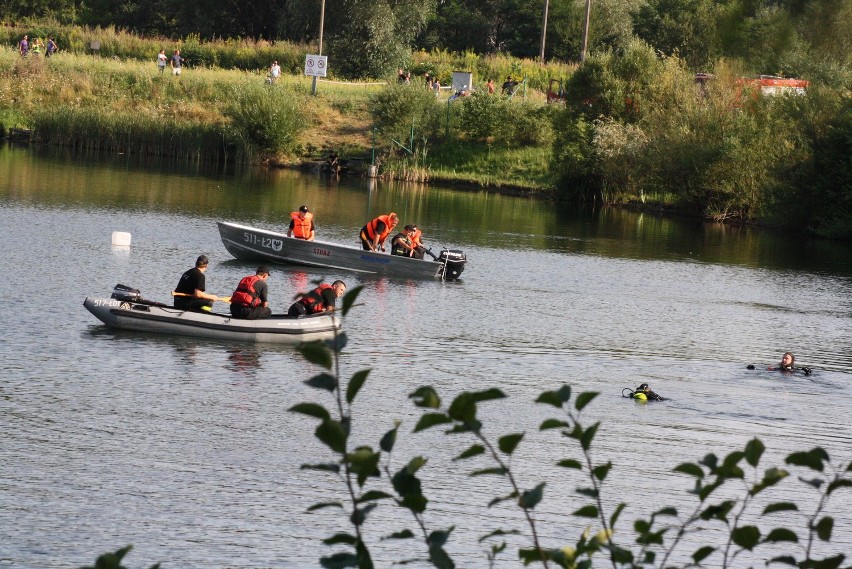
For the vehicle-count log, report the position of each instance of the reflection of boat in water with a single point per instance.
(130, 313)
(253, 244)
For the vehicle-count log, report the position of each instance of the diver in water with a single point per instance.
(644, 393)
(788, 363)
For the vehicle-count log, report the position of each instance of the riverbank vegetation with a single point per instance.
(632, 125)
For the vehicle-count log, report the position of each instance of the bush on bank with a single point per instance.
(639, 129)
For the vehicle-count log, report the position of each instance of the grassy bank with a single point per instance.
(127, 105)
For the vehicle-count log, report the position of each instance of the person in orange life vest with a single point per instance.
(373, 234)
(321, 299)
(301, 224)
(191, 286)
(250, 300)
(418, 247)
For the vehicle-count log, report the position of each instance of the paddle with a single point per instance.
(221, 298)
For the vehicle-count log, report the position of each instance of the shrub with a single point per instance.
(398, 108)
(270, 119)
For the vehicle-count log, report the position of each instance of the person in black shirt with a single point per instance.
(189, 292)
(321, 299)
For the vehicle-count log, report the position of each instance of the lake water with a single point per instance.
(185, 449)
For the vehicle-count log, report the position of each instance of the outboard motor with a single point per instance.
(454, 261)
(124, 292)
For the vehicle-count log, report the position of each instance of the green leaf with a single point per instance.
(584, 399)
(322, 381)
(364, 462)
(530, 498)
(529, 556)
(404, 534)
(601, 471)
(780, 507)
(486, 395)
(439, 558)
(781, 534)
(323, 505)
(499, 499)
(669, 511)
(311, 410)
(508, 443)
(788, 559)
(415, 464)
(746, 537)
(702, 553)
(498, 532)
(440, 537)
(586, 512)
(362, 554)
(710, 461)
(327, 467)
(753, 451)
(570, 463)
(339, 561)
(837, 483)
(486, 471)
(690, 468)
(338, 538)
(824, 527)
(771, 477)
(589, 492)
(337, 342)
(426, 397)
(474, 450)
(429, 420)
(389, 438)
(827, 563)
(355, 384)
(316, 353)
(372, 496)
(332, 434)
(349, 298)
(614, 517)
(588, 436)
(813, 459)
(814, 482)
(359, 516)
(553, 424)
(550, 398)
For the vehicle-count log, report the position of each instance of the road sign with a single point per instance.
(316, 65)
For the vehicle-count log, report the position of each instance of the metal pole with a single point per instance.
(543, 31)
(322, 22)
(586, 31)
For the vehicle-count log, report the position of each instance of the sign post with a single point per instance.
(315, 66)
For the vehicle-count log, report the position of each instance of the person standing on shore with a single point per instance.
(162, 59)
(274, 72)
(176, 62)
(51, 47)
(24, 46)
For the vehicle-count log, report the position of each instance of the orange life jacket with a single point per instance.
(415, 238)
(245, 295)
(301, 227)
(313, 300)
(371, 228)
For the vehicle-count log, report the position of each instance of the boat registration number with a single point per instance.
(264, 242)
(107, 302)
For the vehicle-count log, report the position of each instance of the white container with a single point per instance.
(121, 239)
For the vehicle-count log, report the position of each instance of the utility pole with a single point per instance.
(586, 32)
(322, 21)
(543, 31)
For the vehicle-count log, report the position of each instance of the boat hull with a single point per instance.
(147, 316)
(253, 244)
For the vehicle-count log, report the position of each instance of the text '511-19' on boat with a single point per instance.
(127, 310)
(253, 244)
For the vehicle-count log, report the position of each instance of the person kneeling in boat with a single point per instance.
(321, 299)
(401, 243)
(373, 234)
(189, 293)
(301, 224)
(644, 393)
(250, 300)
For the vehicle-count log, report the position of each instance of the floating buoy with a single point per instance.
(121, 239)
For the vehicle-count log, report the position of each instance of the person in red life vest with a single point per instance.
(321, 299)
(373, 234)
(301, 224)
(189, 292)
(250, 300)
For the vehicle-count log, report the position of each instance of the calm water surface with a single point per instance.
(185, 449)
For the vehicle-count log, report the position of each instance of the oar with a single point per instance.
(222, 298)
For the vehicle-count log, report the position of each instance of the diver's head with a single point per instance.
(643, 387)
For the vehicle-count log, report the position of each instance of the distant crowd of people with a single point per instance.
(36, 46)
